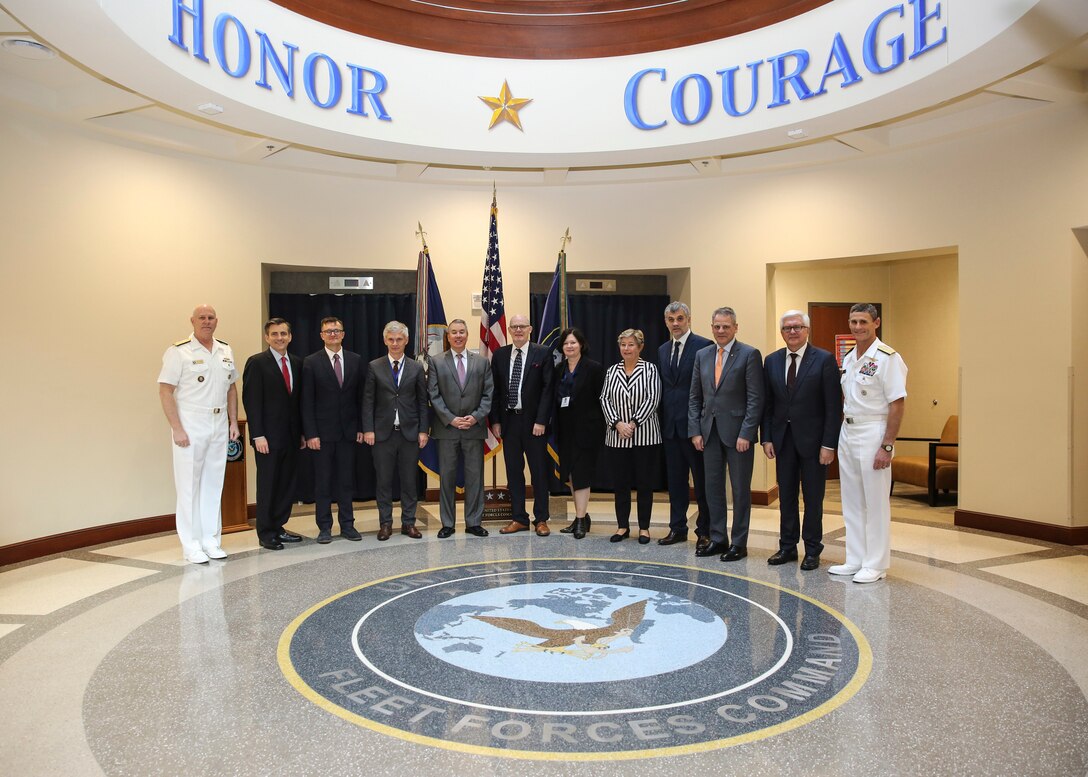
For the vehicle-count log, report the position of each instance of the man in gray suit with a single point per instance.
(461, 388)
(724, 411)
(395, 425)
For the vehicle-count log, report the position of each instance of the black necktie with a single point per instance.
(675, 353)
(515, 382)
(791, 374)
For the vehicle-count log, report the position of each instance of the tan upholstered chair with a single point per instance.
(937, 471)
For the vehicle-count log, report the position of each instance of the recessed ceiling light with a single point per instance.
(28, 49)
(211, 109)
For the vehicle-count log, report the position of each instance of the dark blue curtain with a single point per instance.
(601, 318)
(364, 317)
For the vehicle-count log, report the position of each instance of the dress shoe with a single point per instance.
(866, 575)
(672, 538)
(197, 557)
(581, 527)
(350, 533)
(542, 529)
(289, 536)
(782, 556)
(476, 531)
(385, 531)
(324, 537)
(514, 527)
(274, 544)
(735, 553)
(445, 531)
(701, 543)
(809, 563)
(214, 551)
(569, 528)
(643, 539)
(620, 536)
(411, 531)
(711, 549)
(845, 570)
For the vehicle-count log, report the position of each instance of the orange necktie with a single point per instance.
(718, 367)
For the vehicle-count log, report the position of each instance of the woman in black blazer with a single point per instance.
(579, 423)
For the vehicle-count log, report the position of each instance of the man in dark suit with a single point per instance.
(675, 362)
(395, 424)
(801, 423)
(724, 410)
(332, 394)
(523, 373)
(461, 388)
(271, 384)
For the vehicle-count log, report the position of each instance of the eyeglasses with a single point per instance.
(333, 332)
(792, 329)
(519, 326)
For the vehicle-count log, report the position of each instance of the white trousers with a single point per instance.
(198, 477)
(866, 496)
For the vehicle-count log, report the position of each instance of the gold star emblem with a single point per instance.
(505, 107)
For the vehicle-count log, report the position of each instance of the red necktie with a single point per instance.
(286, 373)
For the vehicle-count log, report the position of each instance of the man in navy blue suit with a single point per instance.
(675, 360)
(332, 396)
(801, 421)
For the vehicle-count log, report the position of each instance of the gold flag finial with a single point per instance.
(566, 238)
(421, 235)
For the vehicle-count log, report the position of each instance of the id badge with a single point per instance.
(564, 402)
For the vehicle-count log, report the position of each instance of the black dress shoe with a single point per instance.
(445, 531)
(581, 527)
(644, 539)
(476, 531)
(350, 533)
(272, 545)
(781, 557)
(385, 531)
(735, 553)
(711, 549)
(324, 537)
(810, 563)
(620, 535)
(289, 536)
(569, 528)
(672, 538)
(701, 542)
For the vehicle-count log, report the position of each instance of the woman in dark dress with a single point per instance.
(579, 424)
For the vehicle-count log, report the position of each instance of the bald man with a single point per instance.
(200, 400)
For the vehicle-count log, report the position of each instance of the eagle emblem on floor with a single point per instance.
(581, 640)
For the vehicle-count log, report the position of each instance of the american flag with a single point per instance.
(492, 305)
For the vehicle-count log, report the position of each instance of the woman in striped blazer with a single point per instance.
(629, 400)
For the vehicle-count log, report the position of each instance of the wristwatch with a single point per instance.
(888, 448)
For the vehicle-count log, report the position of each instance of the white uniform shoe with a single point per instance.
(214, 551)
(869, 575)
(843, 569)
(197, 557)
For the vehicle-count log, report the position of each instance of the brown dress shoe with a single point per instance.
(411, 531)
(384, 532)
(513, 527)
(542, 529)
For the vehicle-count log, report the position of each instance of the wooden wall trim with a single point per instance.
(1020, 527)
(765, 498)
(82, 538)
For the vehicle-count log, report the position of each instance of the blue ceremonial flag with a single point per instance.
(552, 322)
(430, 342)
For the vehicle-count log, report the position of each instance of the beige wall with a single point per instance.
(107, 249)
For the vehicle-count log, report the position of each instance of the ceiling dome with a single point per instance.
(549, 29)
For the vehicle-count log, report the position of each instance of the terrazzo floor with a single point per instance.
(970, 658)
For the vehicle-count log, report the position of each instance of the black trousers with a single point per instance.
(797, 474)
(520, 445)
(334, 479)
(637, 464)
(275, 489)
(680, 459)
(396, 455)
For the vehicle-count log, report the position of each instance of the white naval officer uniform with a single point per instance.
(202, 379)
(870, 383)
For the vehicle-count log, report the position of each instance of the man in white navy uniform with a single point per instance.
(874, 387)
(199, 397)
